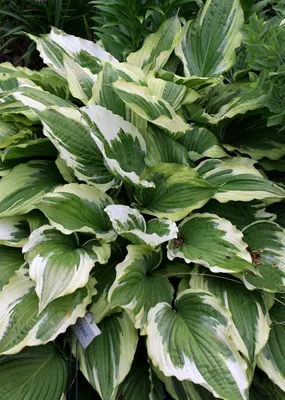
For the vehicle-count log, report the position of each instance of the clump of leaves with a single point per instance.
(154, 198)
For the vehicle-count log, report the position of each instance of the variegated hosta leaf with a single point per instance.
(200, 143)
(162, 149)
(183, 390)
(22, 325)
(266, 241)
(53, 46)
(58, 265)
(251, 322)
(11, 260)
(208, 42)
(78, 208)
(38, 99)
(211, 241)
(193, 343)
(80, 80)
(104, 94)
(14, 231)
(191, 82)
(152, 108)
(29, 148)
(178, 191)
(122, 145)
(271, 359)
(238, 180)
(240, 214)
(106, 369)
(130, 224)
(158, 46)
(76, 147)
(135, 289)
(41, 371)
(25, 185)
(175, 95)
(46, 78)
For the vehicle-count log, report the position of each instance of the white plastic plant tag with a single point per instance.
(86, 330)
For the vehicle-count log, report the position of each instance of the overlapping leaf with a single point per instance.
(193, 343)
(78, 208)
(106, 369)
(58, 265)
(21, 322)
(130, 224)
(238, 180)
(178, 190)
(135, 289)
(211, 241)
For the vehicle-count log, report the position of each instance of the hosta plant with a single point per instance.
(151, 194)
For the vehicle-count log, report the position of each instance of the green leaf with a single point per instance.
(151, 108)
(40, 371)
(76, 147)
(200, 143)
(271, 359)
(10, 261)
(251, 136)
(193, 343)
(105, 276)
(14, 231)
(21, 322)
(135, 289)
(214, 242)
(29, 148)
(24, 186)
(130, 224)
(279, 210)
(66, 172)
(10, 134)
(158, 46)
(178, 191)
(122, 145)
(238, 180)
(78, 208)
(106, 369)
(137, 384)
(162, 149)
(239, 213)
(266, 241)
(251, 322)
(209, 41)
(58, 265)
